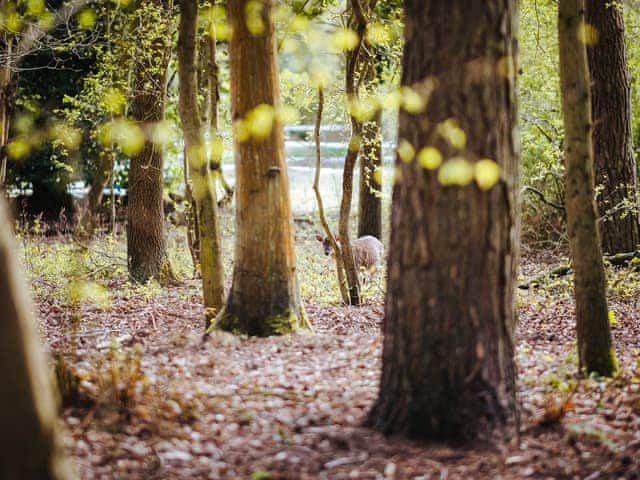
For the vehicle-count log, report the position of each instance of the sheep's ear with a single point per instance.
(319, 237)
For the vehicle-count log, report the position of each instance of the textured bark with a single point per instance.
(448, 367)
(370, 205)
(615, 166)
(264, 297)
(204, 195)
(594, 337)
(28, 446)
(146, 243)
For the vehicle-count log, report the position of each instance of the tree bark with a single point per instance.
(615, 166)
(370, 204)
(264, 298)
(595, 349)
(146, 243)
(448, 368)
(204, 194)
(28, 445)
(355, 70)
(5, 106)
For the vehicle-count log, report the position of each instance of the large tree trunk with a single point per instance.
(264, 298)
(28, 446)
(146, 243)
(370, 205)
(615, 167)
(594, 337)
(448, 367)
(201, 182)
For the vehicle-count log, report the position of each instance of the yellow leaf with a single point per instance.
(455, 171)
(377, 176)
(452, 133)
(12, 22)
(67, 135)
(487, 173)
(378, 34)
(412, 101)
(299, 23)
(87, 19)
(114, 101)
(391, 100)
(430, 158)
(587, 34)
(18, 149)
(406, 151)
(362, 110)
(253, 11)
(344, 39)
(35, 7)
(126, 134)
(612, 318)
(216, 147)
(287, 114)
(260, 121)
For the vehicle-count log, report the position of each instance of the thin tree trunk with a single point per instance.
(448, 369)
(146, 243)
(615, 166)
(203, 189)
(356, 64)
(264, 298)
(342, 281)
(215, 154)
(29, 448)
(5, 108)
(595, 349)
(193, 236)
(94, 197)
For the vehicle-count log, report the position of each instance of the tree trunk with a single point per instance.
(5, 107)
(28, 446)
(615, 167)
(357, 62)
(594, 337)
(94, 200)
(370, 206)
(146, 243)
(201, 182)
(264, 298)
(342, 281)
(448, 367)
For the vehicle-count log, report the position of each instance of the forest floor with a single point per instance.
(146, 398)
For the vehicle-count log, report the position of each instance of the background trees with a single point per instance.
(594, 338)
(615, 166)
(448, 369)
(146, 244)
(203, 188)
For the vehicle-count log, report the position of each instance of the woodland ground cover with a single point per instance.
(146, 397)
